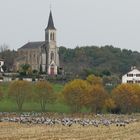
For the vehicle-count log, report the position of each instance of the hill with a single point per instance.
(82, 61)
(106, 60)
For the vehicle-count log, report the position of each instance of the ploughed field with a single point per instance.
(53, 127)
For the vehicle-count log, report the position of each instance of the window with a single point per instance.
(53, 36)
(138, 81)
(129, 81)
(52, 56)
(129, 75)
(137, 75)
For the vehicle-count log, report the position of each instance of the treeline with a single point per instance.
(90, 95)
(95, 60)
(83, 61)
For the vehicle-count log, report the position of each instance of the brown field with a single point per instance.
(14, 131)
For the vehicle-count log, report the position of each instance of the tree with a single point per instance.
(110, 104)
(44, 93)
(8, 56)
(96, 98)
(127, 97)
(25, 69)
(94, 80)
(75, 94)
(106, 73)
(4, 48)
(19, 91)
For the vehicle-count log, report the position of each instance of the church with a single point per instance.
(42, 56)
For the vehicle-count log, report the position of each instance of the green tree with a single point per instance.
(25, 69)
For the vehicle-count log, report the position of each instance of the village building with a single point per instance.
(1, 65)
(132, 77)
(42, 56)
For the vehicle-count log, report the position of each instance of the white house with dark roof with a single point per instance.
(42, 55)
(132, 76)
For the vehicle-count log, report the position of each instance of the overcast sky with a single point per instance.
(78, 22)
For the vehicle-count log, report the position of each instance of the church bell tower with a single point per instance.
(52, 55)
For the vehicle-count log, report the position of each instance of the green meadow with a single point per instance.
(8, 105)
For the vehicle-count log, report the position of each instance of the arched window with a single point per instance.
(51, 36)
(52, 56)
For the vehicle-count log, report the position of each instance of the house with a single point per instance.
(1, 65)
(42, 56)
(132, 77)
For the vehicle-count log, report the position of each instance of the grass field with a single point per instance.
(8, 105)
(12, 131)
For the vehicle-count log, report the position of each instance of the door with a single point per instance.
(52, 71)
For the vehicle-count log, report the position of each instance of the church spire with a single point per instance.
(50, 22)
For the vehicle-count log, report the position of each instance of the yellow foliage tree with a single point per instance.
(19, 91)
(127, 97)
(44, 93)
(75, 94)
(96, 98)
(110, 104)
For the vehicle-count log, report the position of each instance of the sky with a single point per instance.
(78, 22)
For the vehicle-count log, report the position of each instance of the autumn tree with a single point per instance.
(93, 80)
(19, 91)
(127, 97)
(75, 94)
(96, 98)
(44, 93)
(110, 104)
(136, 98)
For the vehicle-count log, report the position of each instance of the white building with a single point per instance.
(132, 77)
(1, 64)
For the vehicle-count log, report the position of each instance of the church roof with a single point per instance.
(32, 45)
(50, 22)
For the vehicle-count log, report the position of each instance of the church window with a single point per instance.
(52, 56)
(53, 37)
(30, 55)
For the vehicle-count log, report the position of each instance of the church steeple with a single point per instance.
(52, 54)
(50, 23)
